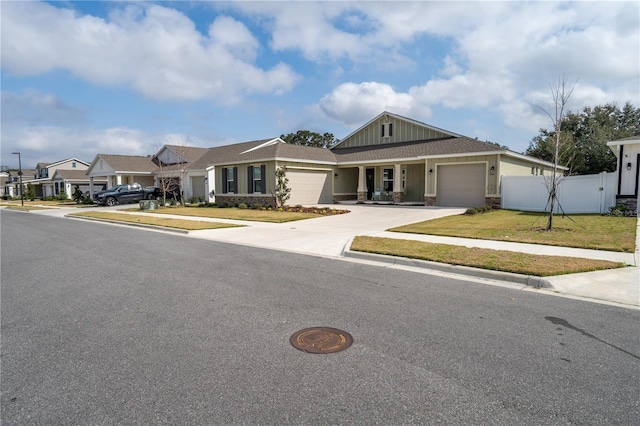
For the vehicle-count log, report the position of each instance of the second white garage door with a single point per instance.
(461, 185)
(309, 187)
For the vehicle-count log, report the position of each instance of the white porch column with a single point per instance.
(398, 194)
(397, 178)
(210, 183)
(362, 186)
(118, 179)
(91, 187)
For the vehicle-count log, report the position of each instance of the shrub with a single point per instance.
(472, 211)
(242, 206)
(257, 206)
(194, 200)
(617, 210)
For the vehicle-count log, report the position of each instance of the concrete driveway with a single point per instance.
(325, 236)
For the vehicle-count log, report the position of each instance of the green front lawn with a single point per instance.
(496, 260)
(589, 231)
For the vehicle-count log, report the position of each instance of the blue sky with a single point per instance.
(82, 78)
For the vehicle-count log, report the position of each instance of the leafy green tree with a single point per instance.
(586, 134)
(31, 192)
(309, 138)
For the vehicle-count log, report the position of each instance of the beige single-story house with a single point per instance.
(627, 152)
(389, 159)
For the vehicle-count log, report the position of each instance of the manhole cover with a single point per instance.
(321, 340)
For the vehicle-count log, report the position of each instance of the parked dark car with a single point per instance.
(123, 194)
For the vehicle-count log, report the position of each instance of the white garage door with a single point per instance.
(461, 185)
(309, 187)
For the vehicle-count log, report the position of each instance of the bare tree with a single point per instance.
(560, 95)
(174, 171)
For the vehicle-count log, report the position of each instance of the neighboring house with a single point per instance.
(121, 169)
(391, 158)
(10, 182)
(176, 166)
(627, 151)
(5, 184)
(42, 182)
(67, 180)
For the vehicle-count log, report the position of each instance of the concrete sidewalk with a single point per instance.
(331, 237)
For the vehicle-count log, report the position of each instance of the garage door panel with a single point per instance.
(309, 187)
(461, 185)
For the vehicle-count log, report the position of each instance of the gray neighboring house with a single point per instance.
(121, 169)
(67, 180)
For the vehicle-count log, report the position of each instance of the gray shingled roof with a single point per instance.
(246, 152)
(73, 175)
(129, 163)
(432, 147)
(189, 153)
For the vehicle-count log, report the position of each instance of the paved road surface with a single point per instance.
(110, 325)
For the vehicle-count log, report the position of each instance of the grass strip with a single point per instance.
(588, 231)
(26, 208)
(273, 216)
(496, 260)
(189, 225)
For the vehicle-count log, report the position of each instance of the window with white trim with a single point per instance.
(257, 180)
(387, 180)
(386, 130)
(230, 180)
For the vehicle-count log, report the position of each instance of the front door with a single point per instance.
(370, 182)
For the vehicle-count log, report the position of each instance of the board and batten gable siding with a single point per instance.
(492, 183)
(402, 131)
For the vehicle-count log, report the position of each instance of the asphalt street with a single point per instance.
(106, 325)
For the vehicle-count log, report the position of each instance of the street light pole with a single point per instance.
(20, 174)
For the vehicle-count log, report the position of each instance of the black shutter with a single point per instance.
(390, 129)
(224, 180)
(250, 180)
(263, 180)
(235, 180)
(382, 131)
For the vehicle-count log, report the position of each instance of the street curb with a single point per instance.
(528, 280)
(137, 225)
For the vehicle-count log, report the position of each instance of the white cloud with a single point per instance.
(153, 49)
(353, 104)
(502, 55)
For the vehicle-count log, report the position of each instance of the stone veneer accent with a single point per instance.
(398, 197)
(495, 202)
(362, 196)
(630, 202)
(430, 201)
(345, 197)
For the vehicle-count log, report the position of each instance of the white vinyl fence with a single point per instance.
(577, 194)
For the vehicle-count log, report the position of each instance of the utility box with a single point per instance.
(149, 205)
